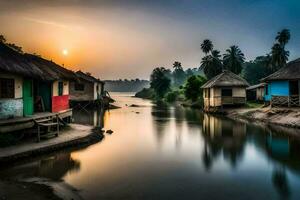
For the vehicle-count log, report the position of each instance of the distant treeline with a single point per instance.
(125, 85)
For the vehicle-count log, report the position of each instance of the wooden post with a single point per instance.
(39, 138)
(57, 120)
(271, 101)
(289, 101)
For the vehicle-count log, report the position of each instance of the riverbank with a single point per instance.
(286, 117)
(74, 135)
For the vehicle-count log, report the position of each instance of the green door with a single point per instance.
(45, 92)
(27, 97)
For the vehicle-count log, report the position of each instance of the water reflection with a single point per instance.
(53, 167)
(89, 116)
(171, 152)
(222, 136)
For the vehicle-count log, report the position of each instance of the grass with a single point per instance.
(254, 104)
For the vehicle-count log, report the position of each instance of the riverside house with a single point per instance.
(224, 89)
(32, 90)
(256, 92)
(282, 87)
(16, 76)
(53, 91)
(86, 89)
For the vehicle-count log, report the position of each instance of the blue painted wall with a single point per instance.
(280, 88)
(10, 108)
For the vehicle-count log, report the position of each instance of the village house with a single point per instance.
(51, 93)
(224, 89)
(256, 92)
(16, 75)
(33, 92)
(86, 89)
(282, 87)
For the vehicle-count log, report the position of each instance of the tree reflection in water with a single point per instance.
(161, 117)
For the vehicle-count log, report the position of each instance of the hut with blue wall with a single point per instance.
(283, 86)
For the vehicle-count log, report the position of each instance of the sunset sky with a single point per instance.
(127, 38)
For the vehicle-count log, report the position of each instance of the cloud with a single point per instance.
(53, 23)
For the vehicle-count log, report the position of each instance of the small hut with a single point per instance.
(256, 92)
(224, 89)
(86, 89)
(282, 87)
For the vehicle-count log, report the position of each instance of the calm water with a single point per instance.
(160, 152)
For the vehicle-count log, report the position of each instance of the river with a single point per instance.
(171, 152)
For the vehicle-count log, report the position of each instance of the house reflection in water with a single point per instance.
(222, 136)
(53, 167)
(93, 117)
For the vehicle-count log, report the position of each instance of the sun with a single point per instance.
(65, 52)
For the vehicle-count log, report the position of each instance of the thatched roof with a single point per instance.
(252, 87)
(226, 79)
(33, 66)
(14, 62)
(87, 77)
(51, 70)
(290, 72)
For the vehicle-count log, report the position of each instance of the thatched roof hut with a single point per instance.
(290, 72)
(226, 88)
(226, 79)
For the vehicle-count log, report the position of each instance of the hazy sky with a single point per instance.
(128, 38)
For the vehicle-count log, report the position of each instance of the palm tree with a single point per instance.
(283, 37)
(212, 64)
(207, 46)
(279, 56)
(178, 74)
(233, 60)
(177, 65)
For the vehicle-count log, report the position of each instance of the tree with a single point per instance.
(257, 69)
(160, 82)
(233, 59)
(207, 46)
(283, 37)
(192, 88)
(211, 64)
(189, 72)
(279, 56)
(178, 74)
(2, 39)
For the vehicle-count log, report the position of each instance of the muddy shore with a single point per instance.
(284, 117)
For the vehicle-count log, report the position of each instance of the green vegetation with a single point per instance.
(254, 104)
(192, 88)
(233, 59)
(146, 93)
(160, 82)
(185, 86)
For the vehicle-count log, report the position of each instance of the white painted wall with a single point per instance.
(65, 88)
